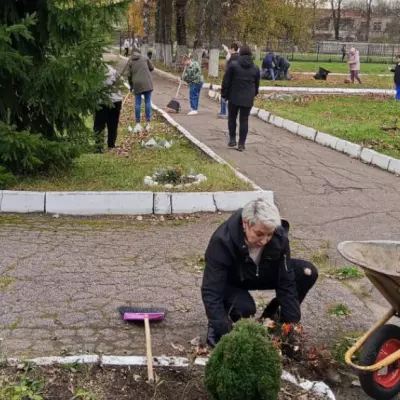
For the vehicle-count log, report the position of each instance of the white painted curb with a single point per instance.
(317, 387)
(96, 203)
(353, 150)
(22, 202)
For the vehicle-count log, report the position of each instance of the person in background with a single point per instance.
(282, 65)
(268, 65)
(239, 87)
(343, 52)
(354, 65)
(231, 55)
(149, 54)
(126, 47)
(108, 115)
(139, 77)
(251, 251)
(396, 71)
(194, 79)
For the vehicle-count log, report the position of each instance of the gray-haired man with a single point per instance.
(250, 251)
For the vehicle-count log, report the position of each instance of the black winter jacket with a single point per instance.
(282, 62)
(396, 71)
(241, 82)
(234, 57)
(228, 262)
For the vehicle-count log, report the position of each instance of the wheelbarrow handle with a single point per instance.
(381, 364)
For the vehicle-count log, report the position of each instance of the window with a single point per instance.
(323, 24)
(346, 24)
(377, 26)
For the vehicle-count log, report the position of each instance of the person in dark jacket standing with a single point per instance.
(250, 251)
(396, 71)
(232, 55)
(268, 65)
(282, 65)
(140, 81)
(239, 87)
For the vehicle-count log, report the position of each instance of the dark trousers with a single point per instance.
(107, 116)
(239, 303)
(126, 52)
(233, 112)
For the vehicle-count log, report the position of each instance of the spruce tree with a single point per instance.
(51, 78)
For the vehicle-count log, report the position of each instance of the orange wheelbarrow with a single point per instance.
(379, 363)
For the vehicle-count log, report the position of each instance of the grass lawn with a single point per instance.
(125, 167)
(299, 80)
(355, 118)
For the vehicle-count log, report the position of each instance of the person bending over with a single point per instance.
(250, 251)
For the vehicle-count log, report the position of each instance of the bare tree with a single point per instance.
(336, 6)
(181, 17)
(316, 4)
(368, 15)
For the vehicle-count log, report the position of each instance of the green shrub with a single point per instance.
(25, 153)
(245, 365)
(7, 179)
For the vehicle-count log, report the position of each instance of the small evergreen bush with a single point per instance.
(245, 365)
(6, 179)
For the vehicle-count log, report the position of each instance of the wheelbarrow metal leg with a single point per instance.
(383, 363)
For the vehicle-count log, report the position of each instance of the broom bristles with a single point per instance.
(142, 310)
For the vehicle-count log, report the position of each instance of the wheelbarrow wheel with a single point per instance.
(385, 383)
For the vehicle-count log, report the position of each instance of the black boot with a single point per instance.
(232, 143)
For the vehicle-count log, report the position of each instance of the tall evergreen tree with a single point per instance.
(51, 77)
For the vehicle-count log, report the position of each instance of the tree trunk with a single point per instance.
(215, 22)
(158, 32)
(146, 26)
(181, 16)
(201, 8)
(336, 16)
(368, 22)
(168, 33)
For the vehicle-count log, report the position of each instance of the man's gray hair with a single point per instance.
(259, 211)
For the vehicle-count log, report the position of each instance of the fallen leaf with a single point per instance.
(201, 350)
(178, 347)
(195, 341)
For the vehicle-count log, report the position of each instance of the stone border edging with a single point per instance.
(353, 150)
(286, 89)
(317, 387)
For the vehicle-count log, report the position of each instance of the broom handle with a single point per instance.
(149, 353)
(180, 82)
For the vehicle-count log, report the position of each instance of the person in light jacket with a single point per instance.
(354, 65)
(126, 47)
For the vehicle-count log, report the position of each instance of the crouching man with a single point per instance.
(250, 251)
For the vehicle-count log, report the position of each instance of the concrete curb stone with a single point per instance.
(351, 149)
(162, 203)
(307, 132)
(326, 140)
(186, 203)
(231, 201)
(264, 115)
(290, 126)
(92, 203)
(367, 155)
(381, 160)
(394, 166)
(22, 201)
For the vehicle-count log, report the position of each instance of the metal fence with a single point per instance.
(329, 51)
